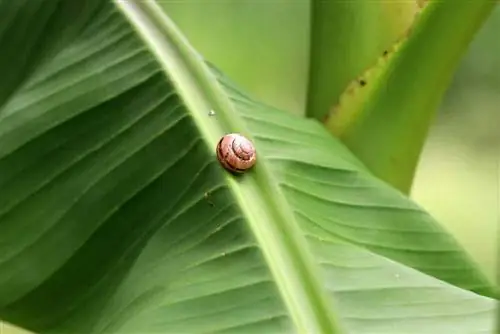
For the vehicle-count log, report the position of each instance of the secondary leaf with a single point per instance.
(116, 216)
(386, 126)
(347, 37)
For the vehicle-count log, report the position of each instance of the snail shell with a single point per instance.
(236, 153)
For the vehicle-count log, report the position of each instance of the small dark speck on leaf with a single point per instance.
(362, 82)
(208, 199)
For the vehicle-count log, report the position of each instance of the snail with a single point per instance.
(236, 153)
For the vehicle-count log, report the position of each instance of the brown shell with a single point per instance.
(236, 153)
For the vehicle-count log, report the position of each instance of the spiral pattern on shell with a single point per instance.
(236, 153)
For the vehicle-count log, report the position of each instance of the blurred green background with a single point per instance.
(263, 46)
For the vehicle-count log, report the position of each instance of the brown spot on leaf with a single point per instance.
(331, 113)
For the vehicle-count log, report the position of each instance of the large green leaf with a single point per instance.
(116, 217)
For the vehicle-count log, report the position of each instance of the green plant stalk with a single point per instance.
(346, 38)
(388, 131)
(276, 230)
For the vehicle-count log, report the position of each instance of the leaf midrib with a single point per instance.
(260, 199)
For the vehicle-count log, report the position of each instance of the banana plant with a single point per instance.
(117, 217)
